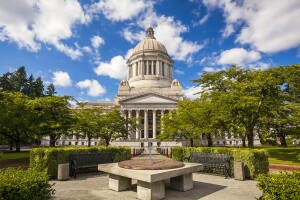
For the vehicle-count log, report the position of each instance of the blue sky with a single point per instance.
(82, 46)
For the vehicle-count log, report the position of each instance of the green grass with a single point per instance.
(285, 156)
(10, 155)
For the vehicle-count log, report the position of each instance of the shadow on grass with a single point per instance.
(282, 154)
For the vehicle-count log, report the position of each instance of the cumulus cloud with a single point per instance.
(238, 56)
(116, 68)
(94, 88)
(117, 10)
(62, 79)
(269, 26)
(190, 92)
(34, 22)
(97, 41)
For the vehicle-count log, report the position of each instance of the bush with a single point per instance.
(49, 158)
(282, 186)
(24, 184)
(255, 161)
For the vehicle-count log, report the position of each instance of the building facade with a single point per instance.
(149, 91)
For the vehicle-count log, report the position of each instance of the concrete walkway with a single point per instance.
(206, 187)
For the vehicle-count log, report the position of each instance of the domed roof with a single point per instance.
(150, 43)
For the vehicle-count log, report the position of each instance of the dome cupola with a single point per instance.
(150, 64)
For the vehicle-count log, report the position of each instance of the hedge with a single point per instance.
(255, 161)
(22, 184)
(49, 158)
(282, 186)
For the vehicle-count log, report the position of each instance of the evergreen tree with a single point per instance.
(50, 90)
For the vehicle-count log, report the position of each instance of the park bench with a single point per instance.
(212, 161)
(88, 160)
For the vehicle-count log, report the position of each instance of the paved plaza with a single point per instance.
(207, 187)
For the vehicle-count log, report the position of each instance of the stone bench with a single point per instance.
(150, 183)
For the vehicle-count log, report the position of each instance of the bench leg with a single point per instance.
(150, 191)
(119, 183)
(182, 183)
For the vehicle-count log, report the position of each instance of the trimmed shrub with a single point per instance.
(255, 161)
(21, 184)
(49, 158)
(282, 186)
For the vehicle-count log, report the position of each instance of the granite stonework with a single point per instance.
(239, 171)
(151, 182)
(63, 172)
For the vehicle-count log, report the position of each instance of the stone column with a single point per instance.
(157, 67)
(142, 66)
(129, 126)
(162, 112)
(152, 66)
(147, 67)
(146, 124)
(137, 133)
(154, 124)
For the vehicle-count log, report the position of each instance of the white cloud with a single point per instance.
(31, 23)
(116, 68)
(269, 26)
(61, 79)
(104, 99)
(117, 10)
(180, 72)
(94, 88)
(212, 69)
(97, 41)
(238, 56)
(190, 92)
(203, 19)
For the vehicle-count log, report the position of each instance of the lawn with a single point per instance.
(285, 156)
(11, 155)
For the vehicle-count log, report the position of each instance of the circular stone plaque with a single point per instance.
(144, 164)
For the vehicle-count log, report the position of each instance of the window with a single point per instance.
(95, 143)
(154, 69)
(76, 143)
(70, 143)
(163, 68)
(218, 142)
(145, 68)
(82, 143)
(150, 67)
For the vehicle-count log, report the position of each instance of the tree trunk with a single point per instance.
(192, 142)
(282, 139)
(107, 142)
(52, 141)
(18, 146)
(209, 140)
(11, 143)
(89, 141)
(244, 141)
(250, 136)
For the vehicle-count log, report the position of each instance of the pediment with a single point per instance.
(149, 98)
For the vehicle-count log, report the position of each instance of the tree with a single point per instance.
(192, 119)
(52, 117)
(246, 95)
(113, 125)
(14, 118)
(87, 121)
(50, 90)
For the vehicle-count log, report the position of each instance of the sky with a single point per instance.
(82, 46)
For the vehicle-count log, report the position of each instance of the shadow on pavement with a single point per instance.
(200, 190)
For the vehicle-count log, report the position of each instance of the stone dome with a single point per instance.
(149, 43)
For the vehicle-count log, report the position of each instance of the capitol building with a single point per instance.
(148, 92)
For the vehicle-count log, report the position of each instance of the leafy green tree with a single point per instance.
(87, 121)
(52, 117)
(113, 125)
(246, 95)
(14, 118)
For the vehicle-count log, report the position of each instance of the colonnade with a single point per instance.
(150, 67)
(143, 131)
